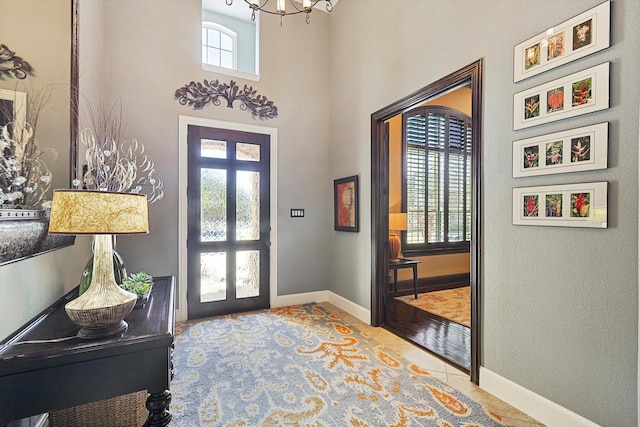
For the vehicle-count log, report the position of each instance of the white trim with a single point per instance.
(19, 104)
(538, 407)
(229, 72)
(361, 313)
(257, 65)
(183, 122)
(342, 303)
(299, 299)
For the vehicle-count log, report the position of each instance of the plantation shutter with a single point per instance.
(438, 177)
(416, 183)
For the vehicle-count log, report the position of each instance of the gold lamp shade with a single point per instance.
(397, 221)
(98, 212)
(100, 311)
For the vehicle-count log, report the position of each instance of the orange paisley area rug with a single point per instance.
(452, 304)
(303, 366)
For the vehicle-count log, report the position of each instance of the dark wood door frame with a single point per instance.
(472, 74)
(230, 245)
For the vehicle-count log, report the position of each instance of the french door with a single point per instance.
(228, 221)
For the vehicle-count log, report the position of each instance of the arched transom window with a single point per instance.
(219, 45)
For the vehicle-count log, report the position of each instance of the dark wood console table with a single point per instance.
(39, 378)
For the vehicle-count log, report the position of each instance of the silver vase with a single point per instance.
(23, 231)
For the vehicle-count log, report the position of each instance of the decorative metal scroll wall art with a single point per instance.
(197, 95)
(12, 64)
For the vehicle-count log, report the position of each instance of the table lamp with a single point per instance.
(397, 221)
(101, 309)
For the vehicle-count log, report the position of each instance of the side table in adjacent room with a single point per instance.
(405, 263)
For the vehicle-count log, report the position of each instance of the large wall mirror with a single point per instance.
(44, 35)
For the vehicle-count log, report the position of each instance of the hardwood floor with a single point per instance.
(446, 339)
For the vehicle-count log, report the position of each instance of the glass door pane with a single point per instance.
(247, 274)
(213, 205)
(213, 276)
(248, 205)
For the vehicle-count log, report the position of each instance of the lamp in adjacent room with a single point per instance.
(101, 309)
(397, 222)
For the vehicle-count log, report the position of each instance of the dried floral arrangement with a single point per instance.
(25, 177)
(114, 163)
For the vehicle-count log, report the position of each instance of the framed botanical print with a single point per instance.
(579, 93)
(345, 202)
(572, 205)
(570, 40)
(572, 150)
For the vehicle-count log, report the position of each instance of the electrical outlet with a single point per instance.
(297, 213)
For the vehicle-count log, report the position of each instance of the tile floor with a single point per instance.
(457, 379)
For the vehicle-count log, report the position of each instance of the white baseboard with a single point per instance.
(350, 307)
(342, 303)
(298, 299)
(540, 408)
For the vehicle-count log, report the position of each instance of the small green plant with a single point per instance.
(138, 283)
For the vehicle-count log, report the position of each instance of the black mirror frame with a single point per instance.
(51, 242)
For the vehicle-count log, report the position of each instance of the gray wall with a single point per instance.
(560, 305)
(567, 331)
(142, 69)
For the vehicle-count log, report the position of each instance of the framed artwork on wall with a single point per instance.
(13, 106)
(570, 40)
(572, 150)
(572, 205)
(345, 202)
(579, 93)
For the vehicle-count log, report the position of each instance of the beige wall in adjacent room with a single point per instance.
(432, 265)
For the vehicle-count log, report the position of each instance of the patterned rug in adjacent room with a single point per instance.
(303, 366)
(452, 304)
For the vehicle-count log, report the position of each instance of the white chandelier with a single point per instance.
(280, 8)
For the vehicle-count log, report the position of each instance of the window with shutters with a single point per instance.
(437, 185)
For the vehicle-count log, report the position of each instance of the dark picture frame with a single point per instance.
(346, 209)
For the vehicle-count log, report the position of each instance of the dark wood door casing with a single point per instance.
(231, 245)
(472, 74)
